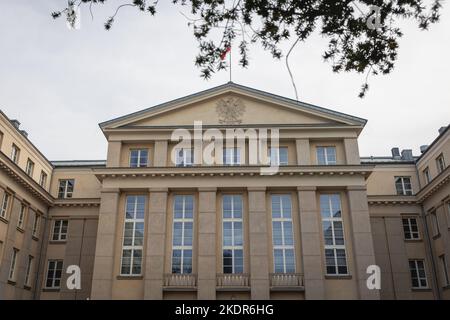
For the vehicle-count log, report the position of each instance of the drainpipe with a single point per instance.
(36, 281)
(428, 241)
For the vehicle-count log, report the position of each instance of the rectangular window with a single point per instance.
(440, 163)
(5, 205)
(27, 281)
(43, 179)
(66, 188)
(282, 234)
(22, 213)
(138, 158)
(232, 156)
(434, 224)
(15, 153)
(279, 156)
(30, 168)
(182, 233)
(403, 186)
(418, 274)
(326, 155)
(54, 273)
(12, 266)
(444, 268)
(333, 233)
(60, 230)
(133, 236)
(232, 237)
(36, 223)
(185, 157)
(427, 175)
(410, 229)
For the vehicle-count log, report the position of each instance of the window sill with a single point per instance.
(4, 220)
(338, 277)
(437, 236)
(20, 229)
(57, 242)
(413, 240)
(35, 238)
(447, 287)
(50, 289)
(129, 277)
(421, 289)
(27, 287)
(12, 282)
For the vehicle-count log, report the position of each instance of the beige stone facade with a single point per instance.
(147, 224)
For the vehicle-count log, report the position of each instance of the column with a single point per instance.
(313, 268)
(303, 152)
(259, 248)
(104, 251)
(363, 251)
(206, 262)
(160, 153)
(156, 240)
(351, 151)
(114, 153)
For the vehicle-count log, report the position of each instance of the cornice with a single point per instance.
(77, 202)
(391, 200)
(442, 179)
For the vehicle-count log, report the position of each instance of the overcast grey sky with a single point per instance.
(61, 83)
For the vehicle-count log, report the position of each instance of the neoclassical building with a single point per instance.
(155, 220)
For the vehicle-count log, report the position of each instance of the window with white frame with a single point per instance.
(12, 266)
(60, 230)
(418, 274)
(5, 205)
(434, 224)
(326, 155)
(54, 274)
(182, 233)
(403, 186)
(133, 237)
(427, 175)
(440, 163)
(29, 168)
(279, 156)
(138, 158)
(185, 157)
(66, 188)
(36, 223)
(282, 234)
(43, 179)
(410, 229)
(232, 238)
(22, 213)
(27, 281)
(15, 153)
(231, 156)
(333, 233)
(444, 271)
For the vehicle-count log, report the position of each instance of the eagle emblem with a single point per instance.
(230, 110)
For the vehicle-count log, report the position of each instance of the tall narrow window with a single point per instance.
(138, 158)
(54, 273)
(5, 205)
(12, 266)
(27, 281)
(410, 229)
(22, 212)
(36, 223)
(434, 224)
(30, 167)
(403, 186)
(65, 188)
(232, 156)
(60, 230)
(427, 175)
(440, 163)
(282, 234)
(326, 155)
(133, 238)
(279, 156)
(333, 232)
(185, 157)
(43, 179)
(232, 238)
(15, 153)
(418, 274)
(182, 235)
(444, 268)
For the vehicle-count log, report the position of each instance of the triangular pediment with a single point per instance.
(233, 104)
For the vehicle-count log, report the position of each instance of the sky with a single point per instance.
(61, 83)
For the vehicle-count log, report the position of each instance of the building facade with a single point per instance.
(156, 220)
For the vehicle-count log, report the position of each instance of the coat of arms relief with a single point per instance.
(230, 110)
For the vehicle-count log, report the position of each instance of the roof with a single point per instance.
(230, 86)
(434, 142)
(78, 163)
(385, 160)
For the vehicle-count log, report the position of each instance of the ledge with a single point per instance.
(228, 289)
(57, 242)
(20, 229)
(288, 288)
(338, 277)
(50, 289)
(4, 220)
(421, 289)
(180, 289)
(27, 287)
(391, 200)
(12, 282)
(130, 277)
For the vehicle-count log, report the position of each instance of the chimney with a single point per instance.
(395, 153)
(423, 148)
(407, 155)
(441, 130)
(24, 133)
(16, 123)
